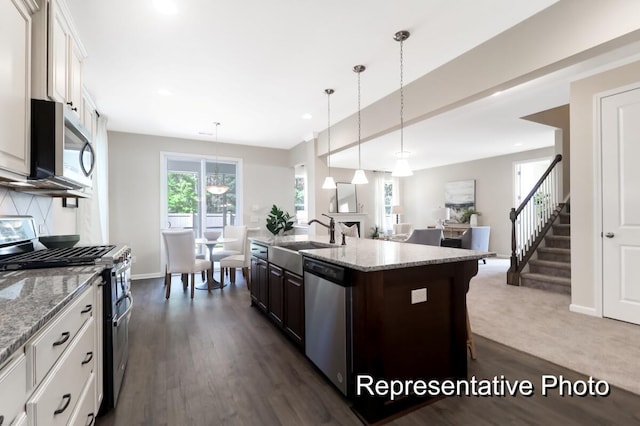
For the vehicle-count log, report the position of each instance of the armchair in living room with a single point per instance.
(401, 231)
(476, 238)
(430, 237)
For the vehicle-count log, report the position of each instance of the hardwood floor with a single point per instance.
(214, 360)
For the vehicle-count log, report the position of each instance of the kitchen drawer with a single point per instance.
(46, 348)
(85, 412)
(55, 399)
(13, 389)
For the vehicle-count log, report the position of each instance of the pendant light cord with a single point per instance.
(329, 130)
(359, 127)
(401, 101)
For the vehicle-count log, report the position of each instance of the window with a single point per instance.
(386, 197)
(187, 202)
(300, 197)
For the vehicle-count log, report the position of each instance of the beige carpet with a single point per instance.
(540, 323)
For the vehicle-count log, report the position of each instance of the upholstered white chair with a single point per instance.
(430, 237)
(349, 231)
(237, 233)
(181, 258)
(401, 231)
(237, 261)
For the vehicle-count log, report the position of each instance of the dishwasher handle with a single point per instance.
(328, 271)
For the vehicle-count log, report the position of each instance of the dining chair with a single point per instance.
(237, 236)
(181, 259)
(237, 261)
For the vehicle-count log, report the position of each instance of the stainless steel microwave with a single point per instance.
(62, 156)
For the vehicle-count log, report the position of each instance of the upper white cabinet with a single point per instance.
(57, 56)
(65, 56)
(15, 87)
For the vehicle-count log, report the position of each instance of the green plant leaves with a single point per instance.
(279, 221)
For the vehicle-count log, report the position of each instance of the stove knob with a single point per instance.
(120, 259)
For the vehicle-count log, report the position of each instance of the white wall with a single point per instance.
(585, 232)
(424, 191)
(566, 33)
(134, 188)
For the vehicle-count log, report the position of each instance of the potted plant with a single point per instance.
(466, 216)
(375, 231)
(279, 221)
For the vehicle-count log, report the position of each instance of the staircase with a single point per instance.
(551, 270)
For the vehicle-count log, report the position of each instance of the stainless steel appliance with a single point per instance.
(61, 153)
(328, 323)
(17, 251)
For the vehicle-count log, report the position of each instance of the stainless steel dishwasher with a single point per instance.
(327, 315)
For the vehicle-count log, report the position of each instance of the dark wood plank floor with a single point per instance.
(214, 360)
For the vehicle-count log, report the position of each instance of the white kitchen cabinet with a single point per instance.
(89, 114)
(99, 333)
(15, 86)
(64, 58)
(44, 350)
(85, 411)
(56, 397)
(13, 388)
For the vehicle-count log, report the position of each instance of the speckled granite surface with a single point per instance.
(368, 255)
(30, 298)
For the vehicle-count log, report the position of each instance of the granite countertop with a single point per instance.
(30, 298)
(369, 255)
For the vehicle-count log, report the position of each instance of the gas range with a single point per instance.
(19, 242)
(104, 255)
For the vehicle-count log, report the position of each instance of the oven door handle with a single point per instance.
(126, 313)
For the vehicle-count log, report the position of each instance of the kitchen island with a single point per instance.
(405, 314)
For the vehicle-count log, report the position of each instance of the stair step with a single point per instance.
(549, 267)
(546, 282)
(558, 241)
(562, 229)
(565, 218)
(554, 254)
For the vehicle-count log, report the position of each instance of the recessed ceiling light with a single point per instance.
(164, 92)
(166, 7)
(307, 116)
(517, 144)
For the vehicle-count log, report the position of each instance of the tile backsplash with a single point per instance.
(50, 218)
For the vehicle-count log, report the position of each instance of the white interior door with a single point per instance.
(620, 126)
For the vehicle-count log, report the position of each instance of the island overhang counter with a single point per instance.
(407, 315)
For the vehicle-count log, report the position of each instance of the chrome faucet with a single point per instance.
(331, 226)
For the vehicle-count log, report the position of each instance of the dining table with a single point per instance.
(211, 245)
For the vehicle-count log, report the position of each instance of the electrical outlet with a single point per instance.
(133, 259)
(418, 295)
(42, 228)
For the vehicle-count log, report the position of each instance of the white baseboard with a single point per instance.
(585, 310)
(145, 276)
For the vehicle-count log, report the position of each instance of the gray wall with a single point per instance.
(134, 190)
(585, 231)
(424, 191)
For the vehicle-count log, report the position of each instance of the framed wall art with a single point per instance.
(459, 196)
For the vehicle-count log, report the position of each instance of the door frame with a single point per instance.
(598, 205)
(164, 155)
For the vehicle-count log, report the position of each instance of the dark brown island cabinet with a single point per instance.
(391, 336)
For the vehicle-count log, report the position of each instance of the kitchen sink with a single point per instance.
(287, 255)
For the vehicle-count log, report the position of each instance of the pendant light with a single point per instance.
(329, 183)
(359, 177)
(214, 186)
(401, 168)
